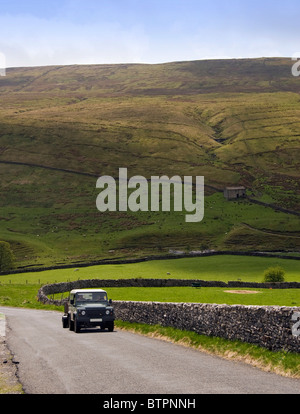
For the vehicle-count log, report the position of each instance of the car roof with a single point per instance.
(74, 291)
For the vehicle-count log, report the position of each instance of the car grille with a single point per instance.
(95, 313)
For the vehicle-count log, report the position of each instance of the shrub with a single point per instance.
(7, 259)
(274, 275)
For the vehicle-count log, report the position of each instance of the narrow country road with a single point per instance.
(53, 360)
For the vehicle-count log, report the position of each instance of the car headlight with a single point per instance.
(107, 312)
(82, 312)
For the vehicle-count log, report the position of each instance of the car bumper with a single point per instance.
(93, 321)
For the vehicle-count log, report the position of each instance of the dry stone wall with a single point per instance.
(273, 327)
(270, 327)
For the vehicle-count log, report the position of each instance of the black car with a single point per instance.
(88, 308)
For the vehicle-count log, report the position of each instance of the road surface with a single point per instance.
(53, 360)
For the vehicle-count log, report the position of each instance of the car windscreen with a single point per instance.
(91, 297)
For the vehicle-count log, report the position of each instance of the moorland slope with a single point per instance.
(236, 122)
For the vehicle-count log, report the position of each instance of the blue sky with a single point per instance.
(46, 32)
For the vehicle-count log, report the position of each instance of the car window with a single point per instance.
(91, 297)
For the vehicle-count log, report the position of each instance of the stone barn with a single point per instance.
(234, 193)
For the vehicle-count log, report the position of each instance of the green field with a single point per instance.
(224, 268)
(16, 295)
(44, 236)
(21, 289)
(265, 297)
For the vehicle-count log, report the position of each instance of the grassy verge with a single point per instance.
(281, 363)
(9, 383)
(7, 387)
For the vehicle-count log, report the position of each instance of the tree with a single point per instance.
(7, 258)
(274, 274)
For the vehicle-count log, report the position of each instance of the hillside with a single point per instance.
(232, 121)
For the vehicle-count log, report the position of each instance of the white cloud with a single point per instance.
(29, 40)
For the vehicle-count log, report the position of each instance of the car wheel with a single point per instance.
(65, 322)
(71, 324)
(110, 326)
(76, 326)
